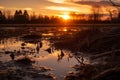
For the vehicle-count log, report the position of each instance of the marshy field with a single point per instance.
(60, 53)
(59, 39)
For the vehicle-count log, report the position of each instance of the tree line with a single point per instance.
(23, 17)
(96, 16)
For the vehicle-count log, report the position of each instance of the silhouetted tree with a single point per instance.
(40, 18)
(46, 19)
(16, 16)
(25, 16)
(110, 14)
(96, 14)
(20, 17)
(73, 15)
(117, 6)
(54, 19)
(33, 18)
(9, 17)
(2, 17)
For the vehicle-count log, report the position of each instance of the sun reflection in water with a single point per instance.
(47, 34)
(65, 29)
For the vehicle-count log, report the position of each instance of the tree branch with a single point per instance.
(118, 5)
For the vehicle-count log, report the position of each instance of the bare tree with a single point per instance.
(8, 14)
(110, 13)
(116, 5)
(96, 13)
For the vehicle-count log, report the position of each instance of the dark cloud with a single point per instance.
(93, 3)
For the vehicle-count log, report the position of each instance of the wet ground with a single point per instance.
(43, 62)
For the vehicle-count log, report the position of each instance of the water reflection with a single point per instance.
(60, 56)
(38, 47)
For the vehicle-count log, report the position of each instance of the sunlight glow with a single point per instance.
(57, 1)
(29, 9)
(1, 7)
(65, 29)
(65, 16)
(48, 34)
(60, 8)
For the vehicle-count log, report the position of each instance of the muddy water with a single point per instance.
(39, 50)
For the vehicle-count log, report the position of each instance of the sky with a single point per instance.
(53, 7)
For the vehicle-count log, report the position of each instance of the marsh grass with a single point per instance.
(93, 40)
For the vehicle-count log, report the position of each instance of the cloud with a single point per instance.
(67, 5)
(1, 7)
(16, 8)
(63, 1)
(78, 1)
(94, 3)
(29, 9)
(80, 9)
(57, 1)
(60, 8)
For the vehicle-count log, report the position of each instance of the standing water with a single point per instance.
(37, 45)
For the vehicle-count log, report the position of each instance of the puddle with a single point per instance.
(40, 51)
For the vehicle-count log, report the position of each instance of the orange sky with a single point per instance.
(53, 7)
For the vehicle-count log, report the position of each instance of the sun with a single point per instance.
(65, 16)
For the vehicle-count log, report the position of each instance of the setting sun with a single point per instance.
(65, 16)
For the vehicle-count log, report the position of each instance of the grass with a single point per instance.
(93, 40)
(24, 61)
